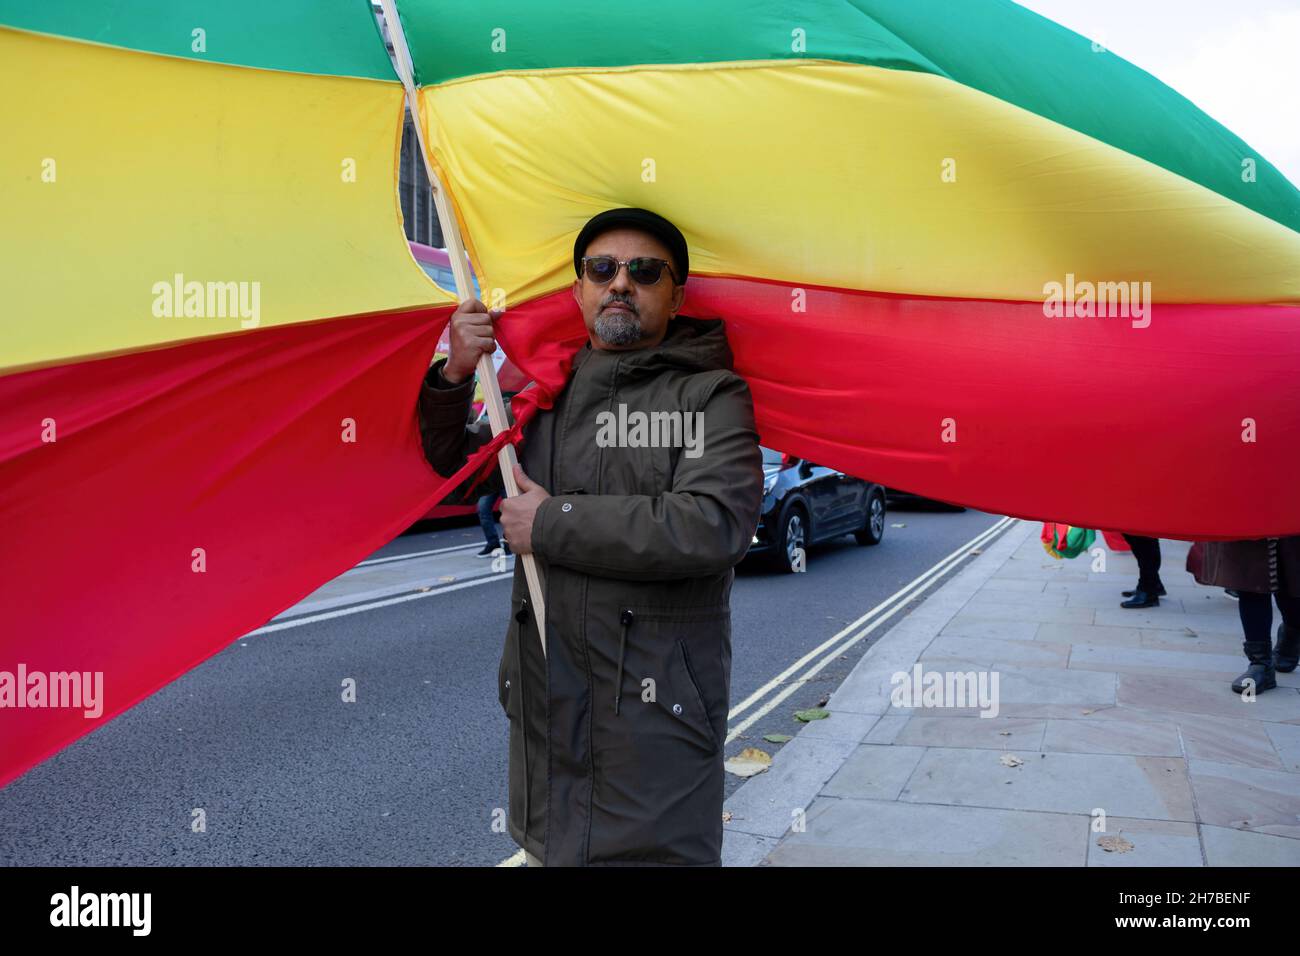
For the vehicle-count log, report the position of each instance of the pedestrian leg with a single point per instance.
(1256, 611)
(1286, 654)
(488, 523)
(1149, 587)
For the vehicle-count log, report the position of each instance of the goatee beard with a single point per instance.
(619, 328)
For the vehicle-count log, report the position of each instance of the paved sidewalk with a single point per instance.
(1111, 711)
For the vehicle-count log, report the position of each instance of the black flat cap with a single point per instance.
(634, 218)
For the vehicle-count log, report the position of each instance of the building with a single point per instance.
(419, 216)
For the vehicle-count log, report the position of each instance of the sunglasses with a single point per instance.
(643, 270)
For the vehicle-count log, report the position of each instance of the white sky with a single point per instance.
(1238, 60)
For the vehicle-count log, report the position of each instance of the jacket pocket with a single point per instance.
(689, 684)
(694, 711)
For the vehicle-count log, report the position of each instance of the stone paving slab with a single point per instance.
(1145, 843)
(1153, 788)
(1228, 847)
(1117, 718)
(996, 733)
(884, 833)
(990, 651)
(1181, 694)
(875, 772)
(1157, 661)
(1263, 801)
(1031, 691)
(1119, 736)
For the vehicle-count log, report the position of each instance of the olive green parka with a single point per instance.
(616, 735)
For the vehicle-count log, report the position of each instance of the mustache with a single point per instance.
(621, 301)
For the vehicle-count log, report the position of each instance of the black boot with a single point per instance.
(1141, 599)
(1159, 591)
(1287, 653)
(1260, 671)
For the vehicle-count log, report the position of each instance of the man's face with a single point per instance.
(622, 314)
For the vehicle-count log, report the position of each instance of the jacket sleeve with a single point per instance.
(704, 525)
(447, 438)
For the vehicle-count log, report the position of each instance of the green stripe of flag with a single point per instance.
(327, 37)
(994, 46)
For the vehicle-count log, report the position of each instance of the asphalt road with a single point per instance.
(285, 772)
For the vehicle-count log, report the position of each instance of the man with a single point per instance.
(616, 735)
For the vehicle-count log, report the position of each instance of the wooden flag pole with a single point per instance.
(487, 373)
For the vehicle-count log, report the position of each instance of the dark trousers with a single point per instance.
(487, 521)
(1257, 614)
(1147, 552)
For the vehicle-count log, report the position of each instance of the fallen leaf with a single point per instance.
(823, 702)
(975, 551)
(1004, 733)
(726, 816)
(812, 713)
(1010, 760)
(1114, 844)
(748, 762)
(777, 738)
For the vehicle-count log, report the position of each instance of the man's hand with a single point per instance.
(517, 513)
(471, 335)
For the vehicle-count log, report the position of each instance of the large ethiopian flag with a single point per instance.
(906, 212)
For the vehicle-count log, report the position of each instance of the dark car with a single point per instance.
(805, 504)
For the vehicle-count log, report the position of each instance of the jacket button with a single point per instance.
(677, 709)
(566, 507)
(507, 685)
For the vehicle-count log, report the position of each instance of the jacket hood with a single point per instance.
(690, 344)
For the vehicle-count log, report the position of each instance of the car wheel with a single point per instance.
(874, 528)
(794, 539)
